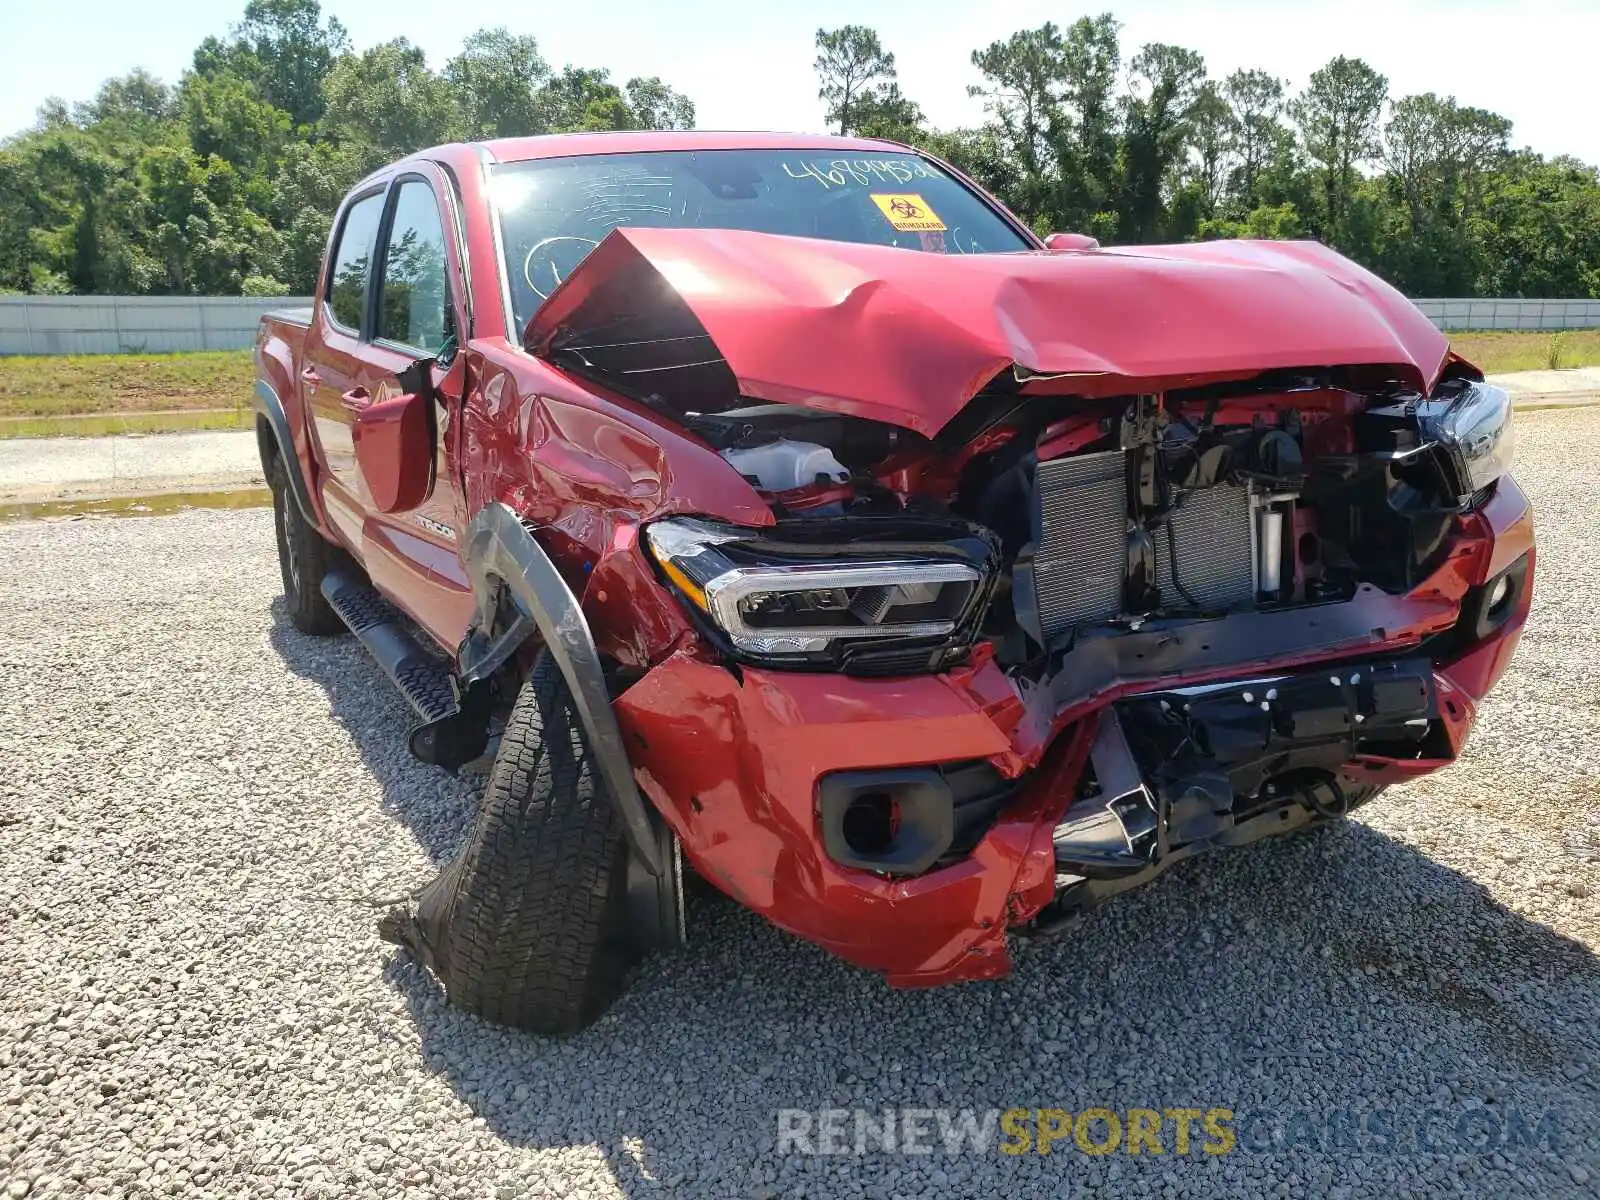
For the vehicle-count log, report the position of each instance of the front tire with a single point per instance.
(304, 557)
(529, 926)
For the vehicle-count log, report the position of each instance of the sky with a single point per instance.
(749, 65)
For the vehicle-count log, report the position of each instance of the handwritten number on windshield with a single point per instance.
(843, 172)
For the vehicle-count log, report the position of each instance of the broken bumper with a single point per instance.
(1368, 692)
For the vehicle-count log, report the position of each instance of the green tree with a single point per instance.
(654, 105)
(1437, 155)
(311, 182)
(228, 182)
(294, 50)
(850, 61)
(582, 99)
(1165, 85)
(1256, 100)
(978, 154)
(53, 114)
(1338, 115)
(1437, 152)
(495, 80)
(1272, 222)
(1086, 129)
(1213, 136)
(86, 269)
(224, 115)
(884, 112)
(385, 103)
(137, 107)
(1023, 80)
(1540, 229)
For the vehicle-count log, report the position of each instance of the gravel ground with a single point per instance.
(199, 809)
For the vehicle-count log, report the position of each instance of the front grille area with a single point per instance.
(1080, 555)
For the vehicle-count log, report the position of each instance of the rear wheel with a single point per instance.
(529, 925)
(304, 557)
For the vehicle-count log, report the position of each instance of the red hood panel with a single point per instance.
(910, 337)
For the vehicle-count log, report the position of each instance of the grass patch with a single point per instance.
(165, 393)
(73, 385)
(111, 424)
(1497, 352)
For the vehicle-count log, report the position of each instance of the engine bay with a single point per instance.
(1107, 516)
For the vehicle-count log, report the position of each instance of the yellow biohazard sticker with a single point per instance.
(908, 212)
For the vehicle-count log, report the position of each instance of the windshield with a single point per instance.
(553, 211)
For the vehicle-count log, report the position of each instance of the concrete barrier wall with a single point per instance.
(1513, 314)
(169, 324)
(133, 324)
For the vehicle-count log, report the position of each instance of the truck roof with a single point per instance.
(563, 145)
(631, 141)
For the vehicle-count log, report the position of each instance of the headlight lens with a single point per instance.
(1474, 428)
(786, 603)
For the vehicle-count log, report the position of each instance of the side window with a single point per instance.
(347, 280)
(414, 301)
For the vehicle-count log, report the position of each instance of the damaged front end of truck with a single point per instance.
(1079, 565)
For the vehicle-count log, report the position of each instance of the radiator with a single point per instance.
(1210, 530)
(1080, 551)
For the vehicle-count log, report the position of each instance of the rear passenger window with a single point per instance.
(414, 299)
(352, 258)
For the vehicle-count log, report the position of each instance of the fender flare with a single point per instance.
(500, 553)
(269, 408)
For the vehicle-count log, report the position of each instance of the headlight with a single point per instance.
(1474, 430)
(833, 599)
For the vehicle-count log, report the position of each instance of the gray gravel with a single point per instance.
(199, 809)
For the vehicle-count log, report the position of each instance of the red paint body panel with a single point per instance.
(394, 445)
(910, 337)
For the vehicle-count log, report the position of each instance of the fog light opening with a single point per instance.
(870, 823)
(1500, 597)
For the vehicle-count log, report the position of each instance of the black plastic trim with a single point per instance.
(1083, 894)
(926, 818)
(266, 403)
(1165, 649)
(502, 558)
(1479, 619)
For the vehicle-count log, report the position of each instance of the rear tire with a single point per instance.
(304, 557)
(529, 926)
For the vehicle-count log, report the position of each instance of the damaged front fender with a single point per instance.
(504, 562)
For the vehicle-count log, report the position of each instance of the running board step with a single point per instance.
(422, 679)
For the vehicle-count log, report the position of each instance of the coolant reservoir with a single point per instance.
(781, 465)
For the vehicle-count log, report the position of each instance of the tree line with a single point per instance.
(226, 181)
(1082, 136)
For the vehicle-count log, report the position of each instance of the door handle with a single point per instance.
(356, 399)
(311, 378)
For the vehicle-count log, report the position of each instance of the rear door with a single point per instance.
(333, 363)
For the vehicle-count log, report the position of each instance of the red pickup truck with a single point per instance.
(783, 507)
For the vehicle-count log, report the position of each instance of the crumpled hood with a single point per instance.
(910, 337)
